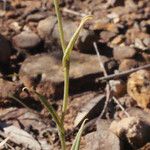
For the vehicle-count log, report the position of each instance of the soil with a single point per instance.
(31, 56)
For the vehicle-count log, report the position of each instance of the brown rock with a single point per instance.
(8, 88)
(122, 52)
(118, 87)
(117, 40)
(133, 129)
(138, 87)
(45, 73)
(128, 64)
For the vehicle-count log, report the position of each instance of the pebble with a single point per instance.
(122, 52)
(26, 40)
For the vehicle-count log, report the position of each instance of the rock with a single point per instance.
(85, 41)
(134, 130)
(123, 52)
(105, 25)
(46, 26)
(26, 40)
(139, 44)
(48, 30)
(15, 27)
(145, 147)
(103, 138)
(128, 64)
(118, 40)
(138, 87)
(111, 66)
(8, 88)
(47, 73)
(106, 141)
(138, 112)
(5, 50)
(106, 36)
(21, 137)
(146, 41)
(91, 110)
(118, 87)
(36, 17)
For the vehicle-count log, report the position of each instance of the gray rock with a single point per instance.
(46, 27)
(122, 52)
(106, 36)
(102, 139)
(138, 112)
(45, 73)
(90, 110)
(133, 129)
(5, 50)
(36, 17)
(48, 30)
(26, 40)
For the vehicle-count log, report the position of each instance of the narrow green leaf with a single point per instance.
(76, 143)
(51, 111)
(74, 38)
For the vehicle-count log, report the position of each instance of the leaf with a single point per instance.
(51, 111)
(23, 104)
(76, 143)
(74, 38)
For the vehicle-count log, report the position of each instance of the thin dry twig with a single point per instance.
(99, 59)
(125, 112)
(3, 142)
(74, 12)
(124, 73)
(108, 89)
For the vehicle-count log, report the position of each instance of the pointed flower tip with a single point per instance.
(88, 17)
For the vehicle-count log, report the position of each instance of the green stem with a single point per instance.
(66, 88)
(60, 27)
(62, 139)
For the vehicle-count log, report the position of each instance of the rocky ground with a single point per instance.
(117, 106)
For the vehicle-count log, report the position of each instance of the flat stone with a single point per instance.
(26, 40)
(128, 64)
(44, 73)
(122, 52)
(91, 110)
